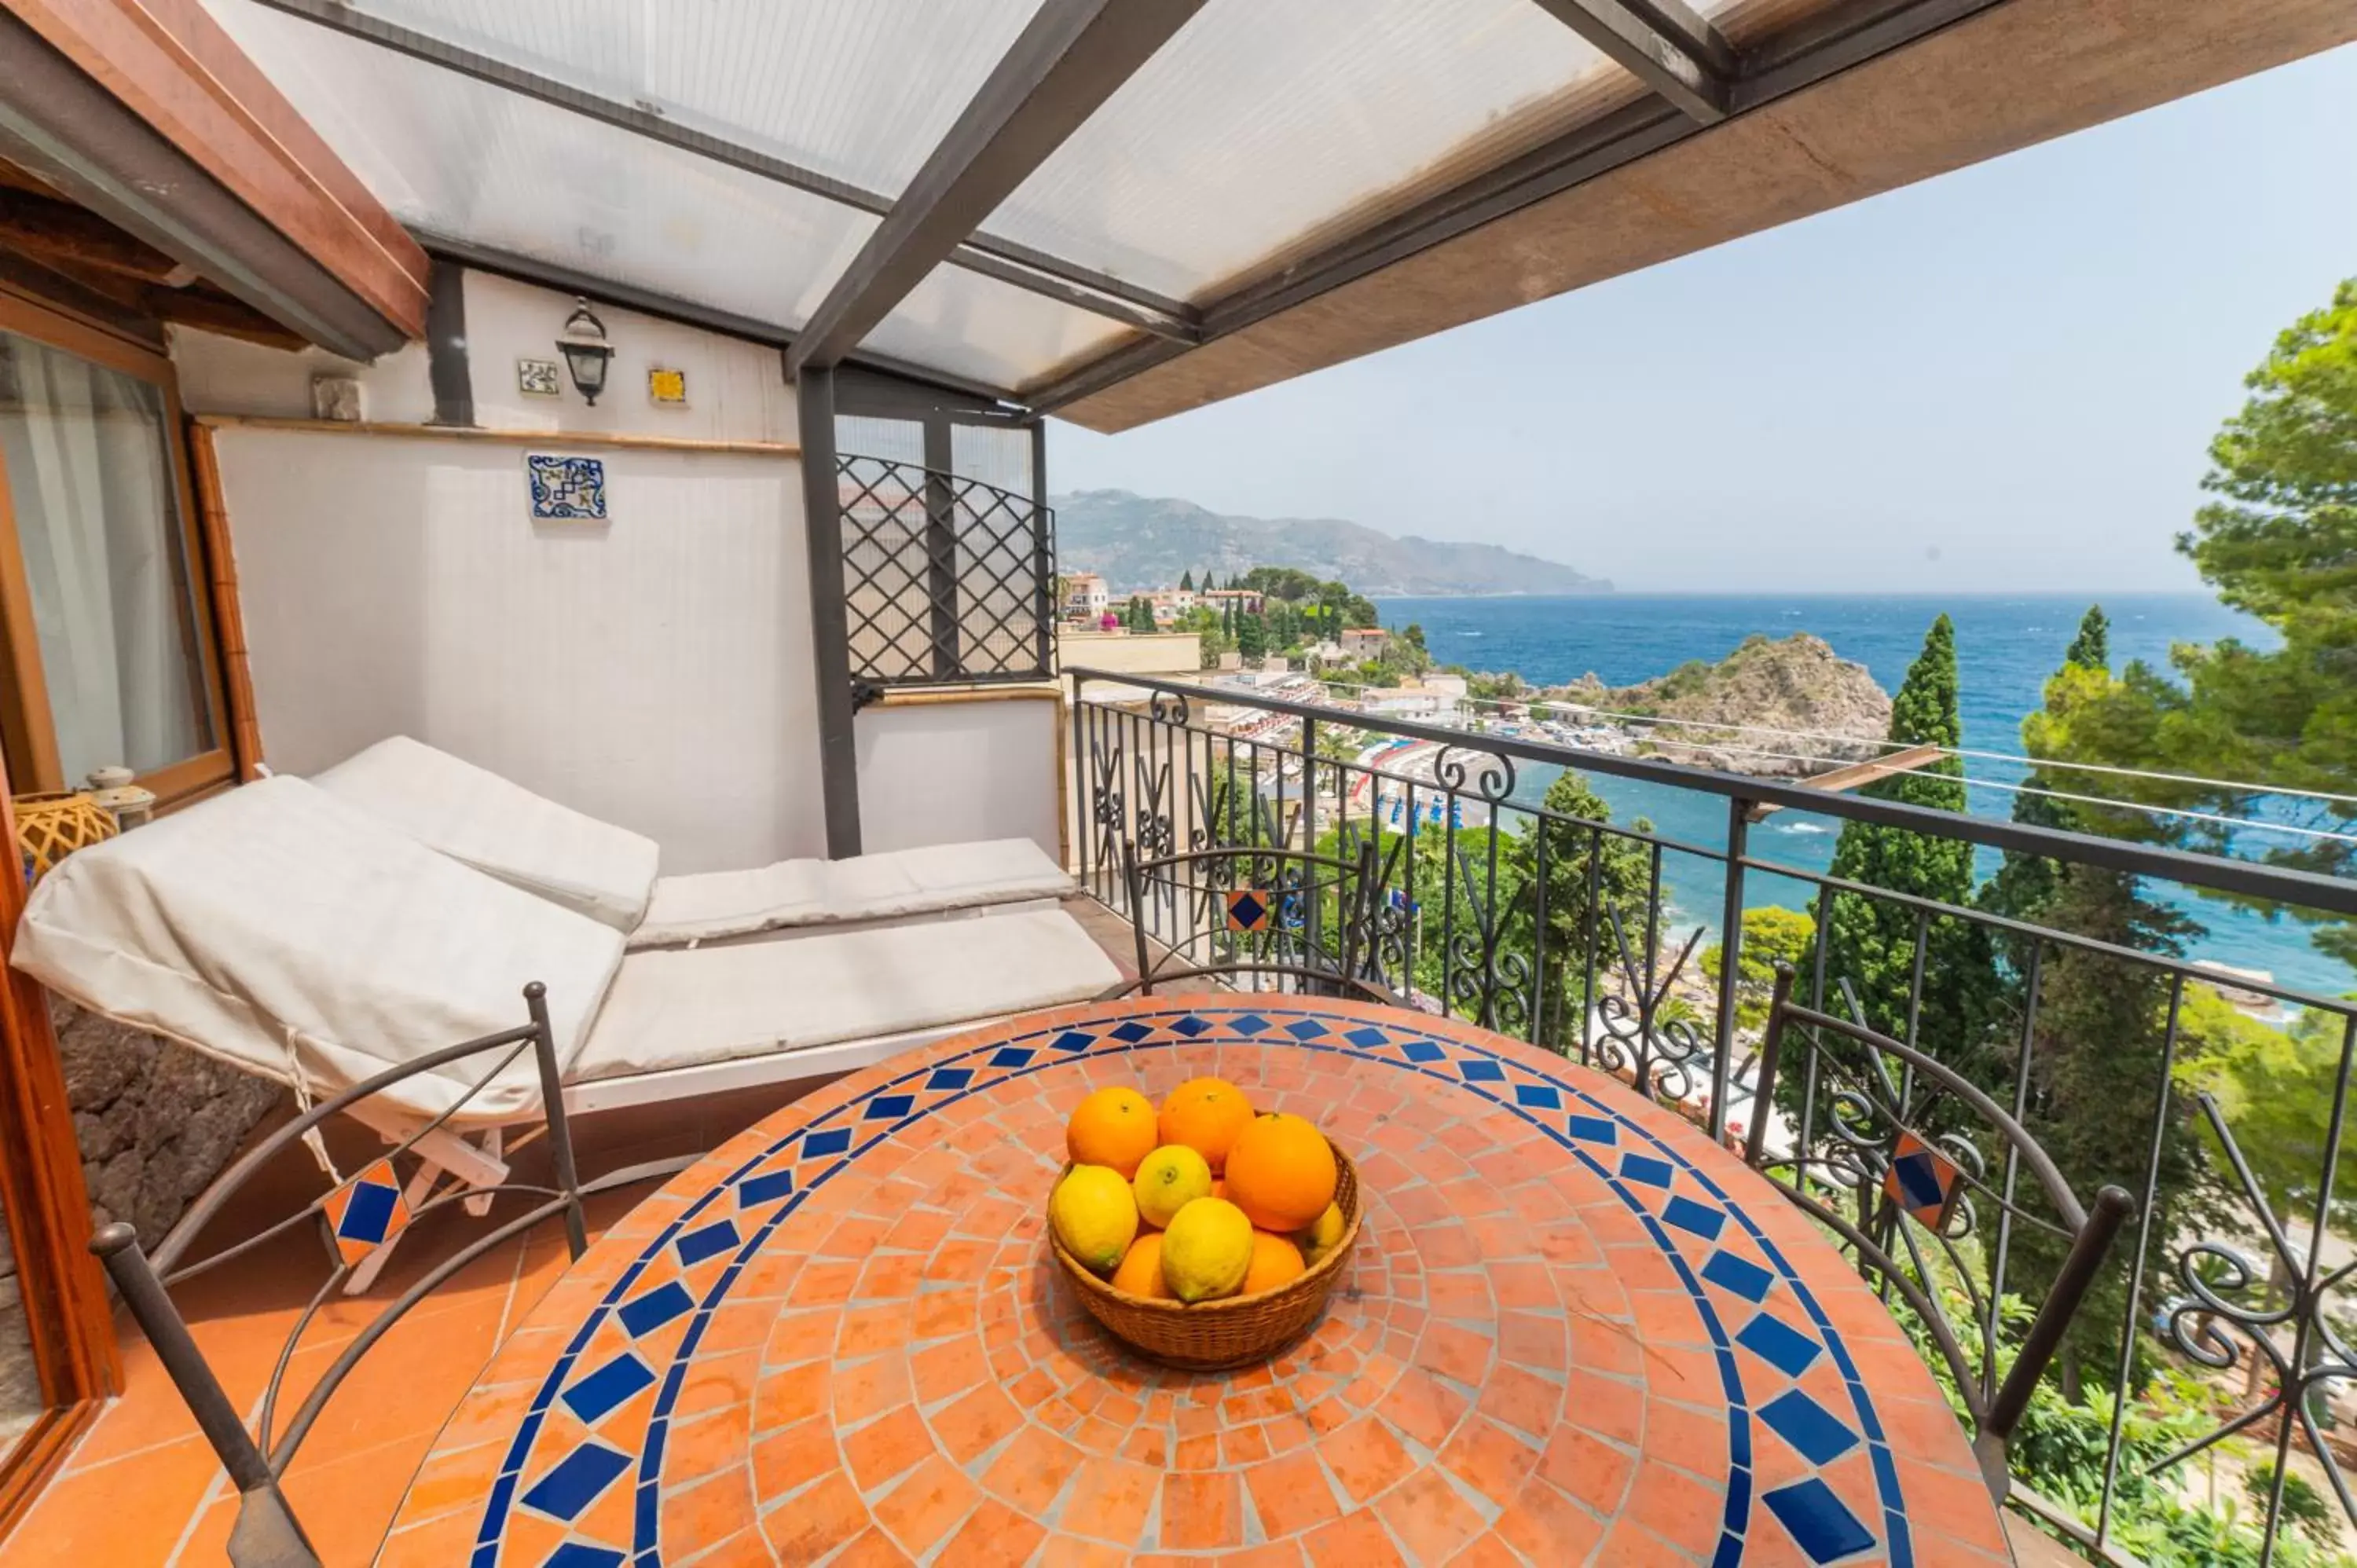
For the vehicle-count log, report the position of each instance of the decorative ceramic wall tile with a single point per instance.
(566, 489)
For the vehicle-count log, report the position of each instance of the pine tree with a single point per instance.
(1871, 942)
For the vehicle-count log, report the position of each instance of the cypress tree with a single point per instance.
(2026, 884)
(1187, 581)
(1871, 942)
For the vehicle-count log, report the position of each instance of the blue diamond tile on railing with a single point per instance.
(1012, 1056)
(1698, 1217)
(1538, 1097)
(366, 1211)
(650, 1312)
(833, 1141)
(603, 1392)
(1479, 1069)
(888, 1107)
(1128, 1033)
(1304, 1028)
(1247, 909)
(1808, 1426)
(949, 1078)
(1921, 1180)
(698, 1245)
(1594, 1129)
(1744, 1278)
(1646, 1169)
(1778, 1344)
(576, 1481)
(1073, 1041)
(1819, 1521)
(573, 1554)
(767, 1187)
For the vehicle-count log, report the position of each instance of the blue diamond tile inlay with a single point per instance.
(1011, 1055)
(1646, 1169)
(1744, 1278)
(657, 1307)
(573, 1554)
(948, 1078)
(1595, 1128)
(1128, 1033)
(698, 1245)
(1918, 1180)
(1538, 1097)
(1304, 1028)
(1825, 1529)
(1778, 1344)
(888, 1107)
(1075, 1041)
(833, 1141)
(1477, 1069)
(1808, 1426)
(1699, 1218)
(1190, 1026)
(597, 1396)
(1247, 1023)
(1422, 1051)
(367, 1212)
(576, 1480)
(765, 1189)
(1369, 1037)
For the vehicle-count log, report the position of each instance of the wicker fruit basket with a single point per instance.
(1214, 1336)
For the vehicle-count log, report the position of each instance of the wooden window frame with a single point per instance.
(26, 721)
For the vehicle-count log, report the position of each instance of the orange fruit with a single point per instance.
(1114, 1127)
(1141, 1269)
(1205, 1114)
(1219, 1186)
(1275, 1262)
(1281, 1172)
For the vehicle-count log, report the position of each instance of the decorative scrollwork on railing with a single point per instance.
(1167, 708)
(1485, 976)
(1106, 807)
(1487, 776)
(1387, 920)
(2232, 1303)
(1661, 1057)
(1156, 833)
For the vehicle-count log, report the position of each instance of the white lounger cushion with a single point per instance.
(688, 1007)
(473, 815)
(278, 920)
(888, 885)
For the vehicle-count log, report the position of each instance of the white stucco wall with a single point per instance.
(654, 669)
(945, 772)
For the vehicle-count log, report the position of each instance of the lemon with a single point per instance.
(1207, 1250)
(1323, 1234)
(1168, 1179)
(1094, 1216)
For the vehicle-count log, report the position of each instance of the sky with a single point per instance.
(2004, 377)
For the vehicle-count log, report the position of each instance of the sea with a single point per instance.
(2007, 644)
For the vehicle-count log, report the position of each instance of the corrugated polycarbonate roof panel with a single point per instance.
(1263, 129)
(454, 157)
(989, 331)
(859, 90)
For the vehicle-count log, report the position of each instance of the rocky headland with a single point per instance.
(1797, 683)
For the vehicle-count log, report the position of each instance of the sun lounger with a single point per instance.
(287, 932)
(611, 874)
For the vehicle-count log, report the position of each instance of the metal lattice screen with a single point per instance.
(944, 578)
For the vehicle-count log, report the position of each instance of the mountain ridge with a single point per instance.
(1137, 542)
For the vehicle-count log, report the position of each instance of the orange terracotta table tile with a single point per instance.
(1574, 1330)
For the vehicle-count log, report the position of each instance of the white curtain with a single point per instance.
(97, 515)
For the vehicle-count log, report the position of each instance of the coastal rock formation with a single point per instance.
(1798, 684)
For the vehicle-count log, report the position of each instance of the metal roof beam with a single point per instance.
(1671, 51)
(1071, 57)
(1005, 260)
(1848, 35)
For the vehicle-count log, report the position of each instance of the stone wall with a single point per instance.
(155, 1120)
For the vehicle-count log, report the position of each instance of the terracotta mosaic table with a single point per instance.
(1574, 1330)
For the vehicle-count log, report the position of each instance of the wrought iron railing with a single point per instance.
(944, 578)
(2194, 1368)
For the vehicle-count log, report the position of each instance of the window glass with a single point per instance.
(87, 455)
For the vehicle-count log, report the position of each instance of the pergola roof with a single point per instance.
(1097, 205)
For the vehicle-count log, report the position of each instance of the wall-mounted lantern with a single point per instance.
(586, 350)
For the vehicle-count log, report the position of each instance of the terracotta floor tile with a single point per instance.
(1366, 1458)
(83, 1517)
(926, 1505)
